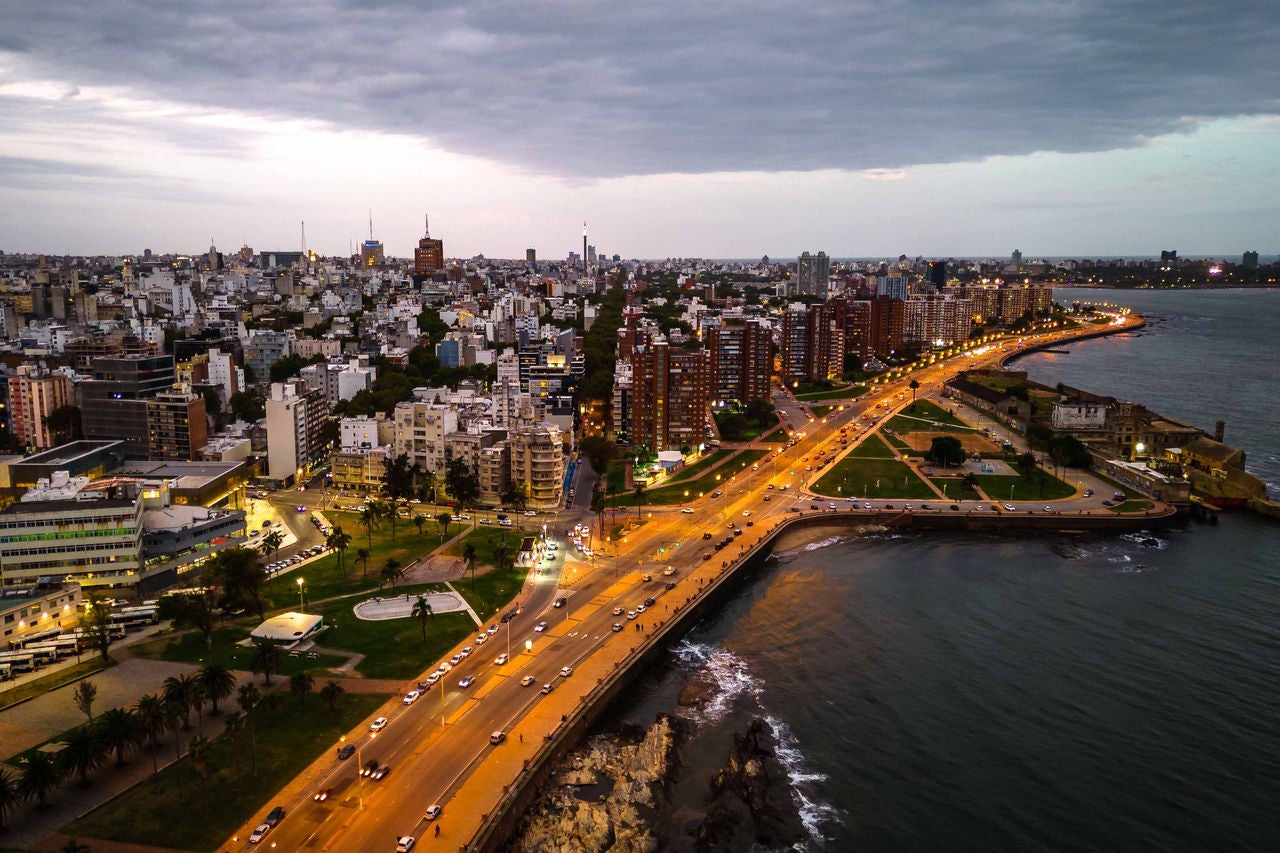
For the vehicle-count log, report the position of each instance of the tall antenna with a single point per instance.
(426, 224)
(304, 239)
(371, 226)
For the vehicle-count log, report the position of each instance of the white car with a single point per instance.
(466, 650)
(501, 659)
(259, 833)
(527, 680)
(467, 681)
(746, 513)
(405, 843)
(566, 671)
(1011, 507)
(493, 629)
(411, 697)
(432, 813)
(444, 667)
(455, 660)
(687, 510)
(530, 513)
(540, 627)
(433, 678)
(378, 724)
(481, 638)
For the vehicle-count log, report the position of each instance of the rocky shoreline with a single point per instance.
(610, 794)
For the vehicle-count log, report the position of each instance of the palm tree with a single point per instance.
(84, 694)
(640, 499)
(272, 542)
(419, 521)
(391, 571)
(338, 541)
(272, 705)
(444, 519)
(198, 750)
(120, 730)
(389, 511)
(422, 612)
(266, 655)
(248, 699)
(362, 557)
(40, 778)
(151, 712)
(218, 682)
(198, 697)
(10, 796)
(913, 385)
(369, 520)
(469, 557)
(331, 694)
(500, 555)
(178, 692)
(971, 481)
(300, 685)
(233, 725)
(83, 752)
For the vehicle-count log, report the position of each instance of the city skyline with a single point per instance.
(722, 130)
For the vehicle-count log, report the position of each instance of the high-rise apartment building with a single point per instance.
(295, 416)
(177, 427)
(812, 274)
(420, 433)
(113, 404)
(33, 395)
(537, 459)
(670, 395)
(742, 360)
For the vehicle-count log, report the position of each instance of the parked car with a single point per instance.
(346, 751)
(259, 833)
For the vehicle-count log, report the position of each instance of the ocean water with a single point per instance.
(1084, 693)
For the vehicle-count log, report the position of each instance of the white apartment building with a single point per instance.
(420, 431)
(537, 458)
(294, 417)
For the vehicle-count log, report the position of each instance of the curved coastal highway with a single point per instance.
(438, 748)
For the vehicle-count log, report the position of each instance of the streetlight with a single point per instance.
(299, 593)
(528, 647)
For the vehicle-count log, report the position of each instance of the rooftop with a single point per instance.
(66, 453)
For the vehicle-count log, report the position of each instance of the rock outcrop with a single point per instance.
(605, 795)
(752, 805)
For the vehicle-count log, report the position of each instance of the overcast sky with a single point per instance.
(712, 128)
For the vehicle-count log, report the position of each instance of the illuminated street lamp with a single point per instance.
(299, 593)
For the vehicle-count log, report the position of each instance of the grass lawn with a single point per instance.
(177, 810)
(707, 483)
(394, 648)
(691, 472)
(873, 478)
(820, 412)
(898, 444)
(1132, 506)
(954, 485)
(777, 434)
(89, 663)
(873, 447)
(1047, 488)
(492, 590)
(928, 416)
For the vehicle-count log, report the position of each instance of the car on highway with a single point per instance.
(631, 614)
(405, 843)
(466, 681)
(1048, 508)
(688, 510)
(501, 659)
(274, 816)
(301, 508)
(378, 724)
(527, 680)
(529, 513)
(411, 697)
(493, 629)
(540, 627)
(566, 671)
(617, 611)
(1088, 493)
(669, 571)
(559, 602)
(955, 507)
(617, 626)
(650, 601)
(455, 660)
(1107, 503)
(480, 639)
(259, 833)
(1010, 508)
(497, 737)
(380, 773)
(346, 751)
(706, 536)
(432, 812)
(707, 555)
(322, 794)
(717, 493)
(746, 513)
(370, 767)
(646, 577)
(548, 687)
(1118, 496)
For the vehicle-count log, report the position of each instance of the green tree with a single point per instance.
(331, 694)
(198, 609)
(422, 612)
(397, 478)
(233, 726)
(338, 541)
(272, 705)
(462, 483)
(516, 497)
(362, 557)
(247, 405)
(913, 385)
(271, 542)
(84, 695)
(40, 778)
(120, 730)
(391, 572)
(82, 752)
(369, 519)
(946, 450)
(218, 682)
(241, 577)
(469, 557)
(10, 797)
(179, 693)
(599, 452)
(96, 623)
(300, 684)
(266, 657)
(64, 424)
(198, 752)
(419, 521)
(733, 426)
(150, 710)
(761, 413)
(248, 698)
(444, 519)
(640, 498)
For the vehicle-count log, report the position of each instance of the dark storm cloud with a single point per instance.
(588, 89)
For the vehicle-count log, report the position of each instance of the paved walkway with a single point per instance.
(379, 607)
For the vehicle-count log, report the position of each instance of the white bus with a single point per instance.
(18, 661)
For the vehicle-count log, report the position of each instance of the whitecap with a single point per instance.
(825, 543)
(815, 813)
(719, 667)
